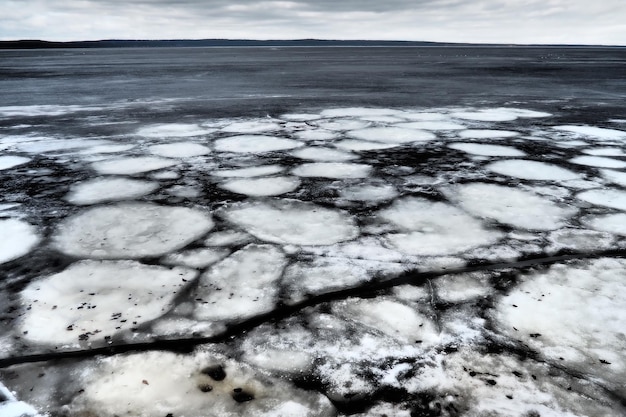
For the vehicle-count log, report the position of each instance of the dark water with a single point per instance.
(240, 81)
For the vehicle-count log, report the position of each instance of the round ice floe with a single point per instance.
(318, 153)
(532, 170)
(512, 206)
(433, 125)
(179, 150)
(432, 228)
(586, 307)
(363, 145)
(486, 134)
(10, 161)
(333, 170)
(173, 130)
(392, 135)
(608, 151)
(157, 384)
(132, 165)
(358, 112)
(255, 144)
(486, 150)
(616, 177)
(342, 124)
(606, 197)
(598, 161)
(316, 134)
(259, 171)
(18, 238)
(369, 193)
(247, 282)
(487, 115)
(94, 299)
(258, 187)
(592, 131)
(109, 189)
(293, 222)
(610, 223)
(130, 230)
(300, 117)
(253, 126)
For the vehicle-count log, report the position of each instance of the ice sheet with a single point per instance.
(392, 135)
(180, 130)
(18, 238)
(132, 165)
(259, 171)
(486, 150)
(319, 153)
(532, 170)
(179, 150)
(333, 170)
(109, 189)
(605, 197)
(11, 161)
(487, 134)
(598, 161)
(592, 131)
(255, 144)
(259, 187)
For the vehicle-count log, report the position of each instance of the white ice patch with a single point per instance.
(358, 112)
(316, 134)
(259, 171)
(512, 206)
(132, 165)
(260, 187)
(107, 149)
(339, 125)
(293, 222)
(196, 258)
(241, 286)
(432, 125)
(318, 153)
(109, 189)
(177, 130)
(179, 150)
(531, 170)
(615, 177)
(253, 126)
(425, 116)
(586, 307)
(592, 131)
(433, 228)
(339, 170)
(227, 238)
(610, 223)
(608, 151)
(42, 110)
(486, 116)
(369, 193)
(487, 134)
(598, 161)
(255, 144)
(18, 238)
(93, 299)
(10, 161)
(605, 197)
(130, 230)
(300, 117)
(392, 135)
(155, 384)
(486, 150)
(44, 145)
(165, 175)
(462, 287)
(362, 145)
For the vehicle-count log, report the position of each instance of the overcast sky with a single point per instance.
(499, 21)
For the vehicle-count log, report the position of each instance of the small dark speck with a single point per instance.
(510, 397)
(215, 372)
(169, 415)
(491, 382)
(534, 377)
(514, 305)
(241, 396)
(205, 388)
(605, 362)
(535, 334)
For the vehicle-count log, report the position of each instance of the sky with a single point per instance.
(480, 21)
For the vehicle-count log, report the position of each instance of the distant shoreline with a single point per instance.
(186, 43)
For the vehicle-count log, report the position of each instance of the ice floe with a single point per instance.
(96, 299)
(18, 238)
(486, 134)
(242, 285)
(107, 149)
(616, 177)
(392, 135)
(432, 125)
(316, 134)
(227, 238)
(259, 187)
(608, 151)
(253, 126)
(369, 192)
(109, 189)
(293, 222)
(610, 223)
(339, 125)
(300, 117)
(491, 115)
(362, 145)
(605, 197)
(255, 144)
(598, 161)
(434, 228)
(259, 171)
(179, 150)
(592, 131)
(168, 130)
(333, 170)
(586, 305)
(532, 170)
(130, 230)
(45, 145)
(11, 407)
(358, 112)
(196, 258)
(319, 153)
(512, 206)
(10, 161)
(486, 150)
(132, 165)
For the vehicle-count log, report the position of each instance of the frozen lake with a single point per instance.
(313, 232)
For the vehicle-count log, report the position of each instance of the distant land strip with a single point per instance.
(171, 43)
